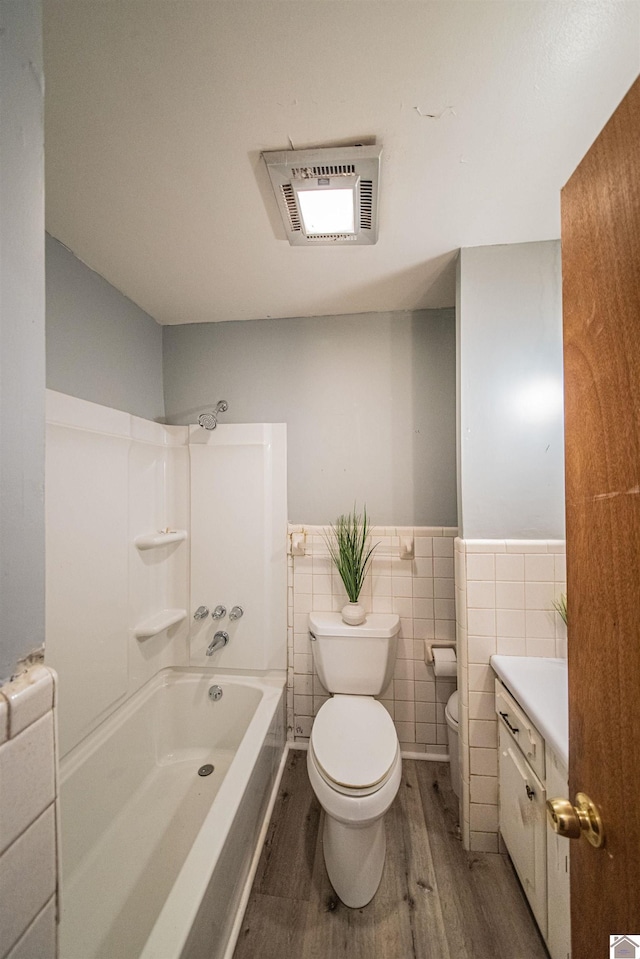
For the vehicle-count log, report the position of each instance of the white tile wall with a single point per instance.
(504, 604)
(28, 833)
(420, 590)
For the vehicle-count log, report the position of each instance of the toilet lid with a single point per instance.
(354, 741)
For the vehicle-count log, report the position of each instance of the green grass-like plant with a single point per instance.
(347, 544)
(561, 607)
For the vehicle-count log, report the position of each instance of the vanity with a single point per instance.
(533, 759)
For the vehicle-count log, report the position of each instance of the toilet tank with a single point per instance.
(356, 660)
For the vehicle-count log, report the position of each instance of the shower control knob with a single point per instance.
(236, 612)
(201, 612)
(219, 612)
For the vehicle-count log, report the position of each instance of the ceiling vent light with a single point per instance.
(327, 197)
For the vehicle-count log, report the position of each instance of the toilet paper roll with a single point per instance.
(445, 662)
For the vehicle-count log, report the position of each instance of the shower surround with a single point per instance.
(145, 523)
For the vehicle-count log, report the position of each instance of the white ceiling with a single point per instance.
(157, 112)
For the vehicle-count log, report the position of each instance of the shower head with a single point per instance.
(209, 421)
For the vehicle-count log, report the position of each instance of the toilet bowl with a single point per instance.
(354, 762)
(451, 717)
(354, 767)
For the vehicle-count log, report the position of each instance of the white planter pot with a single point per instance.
(354, 613)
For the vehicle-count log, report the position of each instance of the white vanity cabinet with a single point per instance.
(521, 766)
(529, 772)
(558, 925)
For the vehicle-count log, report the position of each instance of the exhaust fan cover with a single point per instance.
(346, 177)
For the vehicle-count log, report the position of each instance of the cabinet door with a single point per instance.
(522, 824)
(559, 920)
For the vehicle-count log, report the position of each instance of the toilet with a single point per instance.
(451, 717)
(354, 760)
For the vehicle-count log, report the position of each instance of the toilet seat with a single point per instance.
(451, 711)
(354, 744)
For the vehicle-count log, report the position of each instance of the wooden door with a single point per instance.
(601, 304)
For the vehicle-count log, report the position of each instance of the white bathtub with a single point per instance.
(155, 858)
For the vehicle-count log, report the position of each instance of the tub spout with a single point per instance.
(219, 640)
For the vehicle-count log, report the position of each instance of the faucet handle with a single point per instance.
(219, 612)
(201, 612)
(236, 613)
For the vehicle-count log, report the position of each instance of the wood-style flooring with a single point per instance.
(435, 901)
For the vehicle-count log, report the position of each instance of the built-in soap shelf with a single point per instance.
(159, 622)
(160, 538)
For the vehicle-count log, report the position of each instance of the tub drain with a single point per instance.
(205, 770)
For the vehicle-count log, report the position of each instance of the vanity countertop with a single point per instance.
(540, 686)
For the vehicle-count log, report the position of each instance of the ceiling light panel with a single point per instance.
(327, 204)
(327, 197)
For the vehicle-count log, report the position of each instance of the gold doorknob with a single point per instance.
(571, 821)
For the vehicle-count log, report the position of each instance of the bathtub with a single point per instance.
(157, 860)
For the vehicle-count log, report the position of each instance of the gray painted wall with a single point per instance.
(369, 401)
(21, 334)
(510, 431)
(100, 346)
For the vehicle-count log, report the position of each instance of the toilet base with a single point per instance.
(354, 857)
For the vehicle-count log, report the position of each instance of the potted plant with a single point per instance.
(348, 547)
(561, 607)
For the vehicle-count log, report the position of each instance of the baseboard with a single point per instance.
(406, 753)
(429, 757)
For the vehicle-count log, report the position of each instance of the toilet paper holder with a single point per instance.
(439, 644)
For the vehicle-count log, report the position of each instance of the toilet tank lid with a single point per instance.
(385, 625)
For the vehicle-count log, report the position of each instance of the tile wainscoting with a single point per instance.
(504, 604)
(421, 590)
(28, 830)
